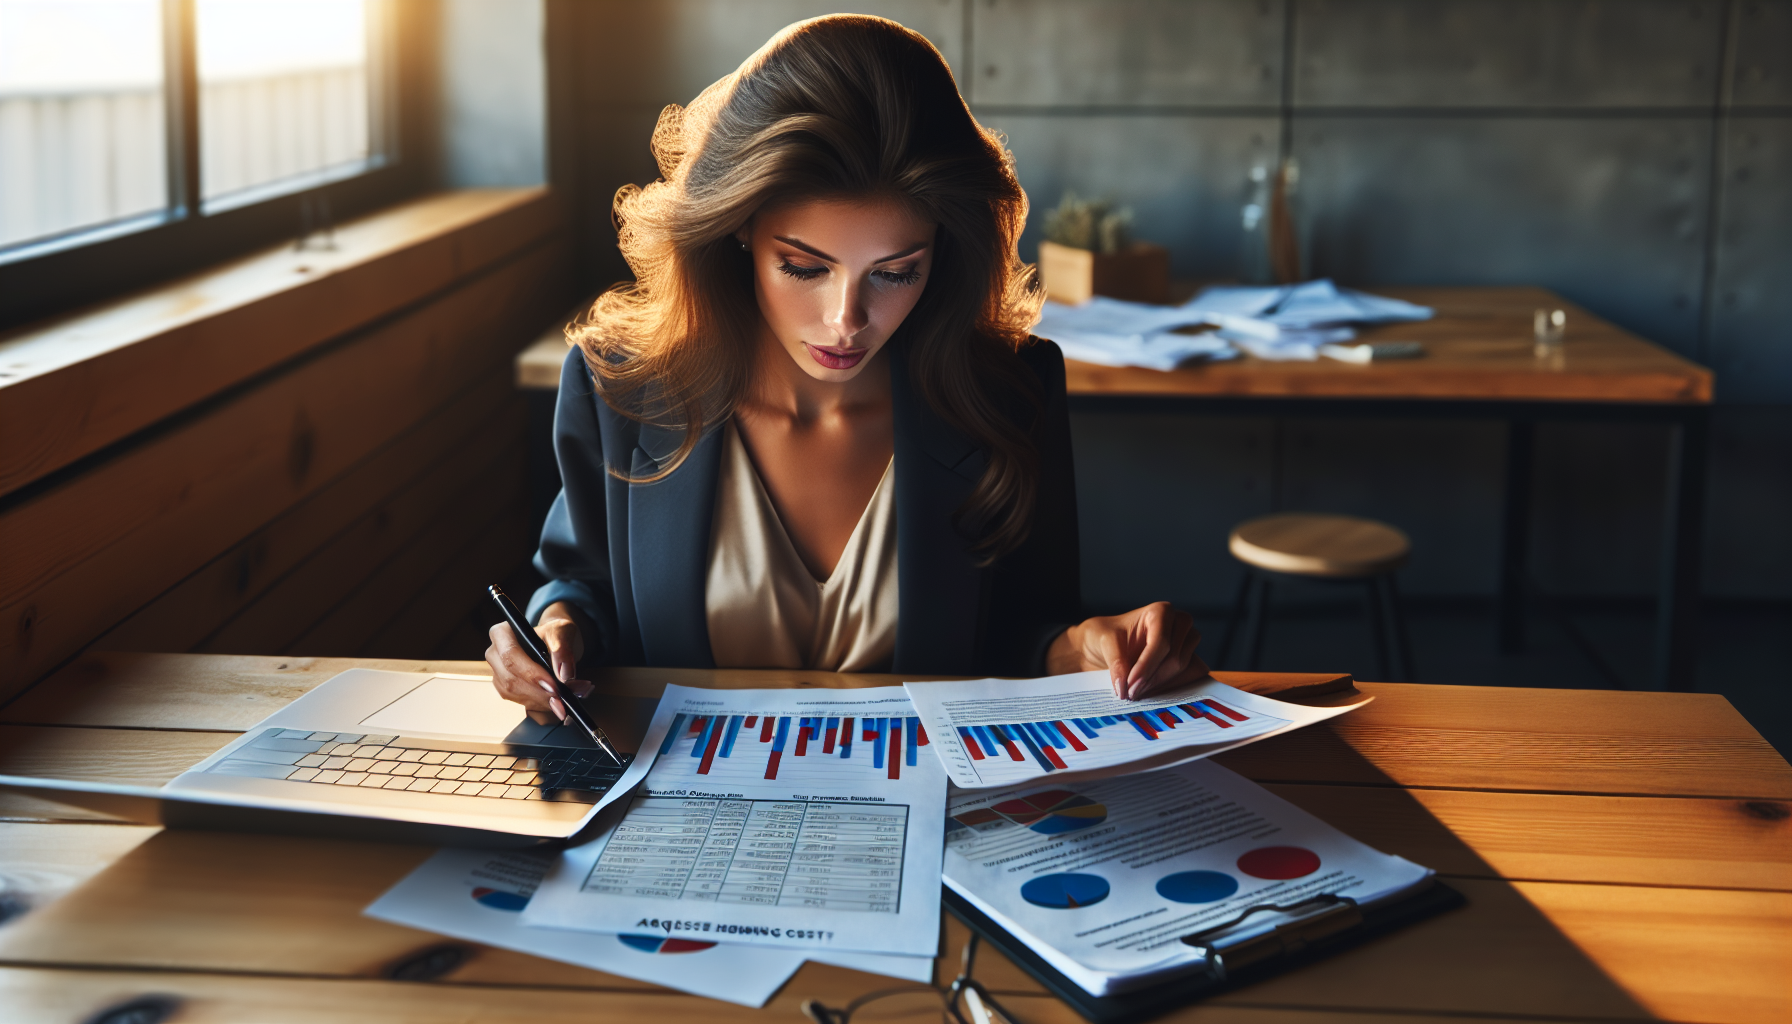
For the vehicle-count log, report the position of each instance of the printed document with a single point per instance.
(478, 896)
(997, 732)
(1104, 878)
(800, 819)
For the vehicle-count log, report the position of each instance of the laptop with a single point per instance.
(392, 756)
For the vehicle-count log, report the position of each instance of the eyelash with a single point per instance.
(811, 273)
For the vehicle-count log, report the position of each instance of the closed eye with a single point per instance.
(903, 277)
(799, 272)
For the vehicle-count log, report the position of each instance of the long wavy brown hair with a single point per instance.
(838, 107)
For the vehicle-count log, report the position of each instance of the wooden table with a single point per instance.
(1478, 364)
(1625, 855)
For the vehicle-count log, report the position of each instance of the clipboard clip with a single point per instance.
(1285, 939)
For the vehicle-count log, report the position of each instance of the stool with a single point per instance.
(1325, 548)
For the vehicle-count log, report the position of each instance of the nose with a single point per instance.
(847, 315)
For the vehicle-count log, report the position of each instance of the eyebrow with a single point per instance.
(817, 253)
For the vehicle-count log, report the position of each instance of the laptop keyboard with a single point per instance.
(495, 771)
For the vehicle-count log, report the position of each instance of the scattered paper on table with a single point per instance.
(998, 732)
(801, 819)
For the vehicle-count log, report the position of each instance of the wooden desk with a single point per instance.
(1626, 856)
(1478, 364)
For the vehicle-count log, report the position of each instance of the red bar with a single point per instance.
(893, 747)
(802, 740)
(697, 724)
(1051, 754)
(920, 735)
(771, 766)
(1168, 717)
(1075, 744)
(827, 742)
(1013, 751)
(751, 721)
(1224, 710)
(1146, 723)
(765, 734)
(870, 735)
(709, 752)
(970, 744)
(1210, 716)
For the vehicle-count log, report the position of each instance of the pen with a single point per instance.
(531, 645)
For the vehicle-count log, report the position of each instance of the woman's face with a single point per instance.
(836, 278)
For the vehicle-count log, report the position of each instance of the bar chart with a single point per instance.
(1046, 742)
(1002, 732)
(722, 747)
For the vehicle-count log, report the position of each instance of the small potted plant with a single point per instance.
(1088, 251)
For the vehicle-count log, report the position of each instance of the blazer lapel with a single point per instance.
(940, 588)
(669, 528)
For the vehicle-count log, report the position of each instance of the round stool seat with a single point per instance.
(1313, 544)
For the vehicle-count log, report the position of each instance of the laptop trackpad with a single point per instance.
(446, 706)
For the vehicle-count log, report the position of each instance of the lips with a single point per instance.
(836, 358)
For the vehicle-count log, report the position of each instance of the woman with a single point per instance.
(814, 432)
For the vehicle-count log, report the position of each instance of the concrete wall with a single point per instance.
(494, 93)
(1635, 156)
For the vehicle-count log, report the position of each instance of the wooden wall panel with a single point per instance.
(94, 549)
(75, 386)
(367, 495)
(269, 622)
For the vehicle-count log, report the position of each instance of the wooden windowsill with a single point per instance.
(71, 386)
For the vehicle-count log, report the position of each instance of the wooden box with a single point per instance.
(1138, 273)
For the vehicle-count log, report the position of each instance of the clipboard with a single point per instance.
(1311, 938)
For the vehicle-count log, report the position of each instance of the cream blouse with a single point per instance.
(764, 608)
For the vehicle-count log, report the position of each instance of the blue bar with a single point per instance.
(990, 744)
(1083, 724)
(672, 734)
(877, 748)
(1037, 731)
(782, 734)
(1032, 748)
(1135, 724)
(914, 740)
(1176, 713)
(703, 737)
(734, 722)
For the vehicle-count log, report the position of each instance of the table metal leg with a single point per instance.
(1677, 609)
(1515, 534)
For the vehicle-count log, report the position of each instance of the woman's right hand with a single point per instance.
(519, 679)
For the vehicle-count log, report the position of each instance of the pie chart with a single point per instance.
(1066, 891)
(1279, 862)
(1196, 886)
(1053, 812)
(662, 944)
(498, 899)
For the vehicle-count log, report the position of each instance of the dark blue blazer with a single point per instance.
(635, 557)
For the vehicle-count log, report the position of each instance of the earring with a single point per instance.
(744, 247)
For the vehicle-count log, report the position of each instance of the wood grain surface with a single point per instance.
(78, 383)
(1584, 878)
(1478, 347)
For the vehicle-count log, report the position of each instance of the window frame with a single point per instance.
(42, 279)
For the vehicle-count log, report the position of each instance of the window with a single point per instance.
(283, 94)
(83, 138)
(140, 139)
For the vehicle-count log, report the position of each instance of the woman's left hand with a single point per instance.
(1145, 650)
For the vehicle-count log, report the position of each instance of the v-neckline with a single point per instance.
(765, 499)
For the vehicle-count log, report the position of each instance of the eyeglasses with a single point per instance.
(964, 1001)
